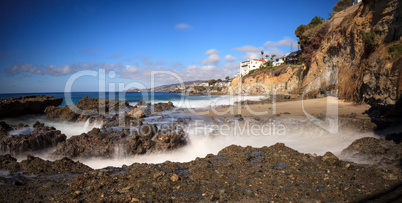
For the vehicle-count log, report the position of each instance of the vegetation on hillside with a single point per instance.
(395, 51)
(370, 41)
(310, 37)
(340, 6)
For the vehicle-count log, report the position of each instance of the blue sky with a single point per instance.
(44, 43)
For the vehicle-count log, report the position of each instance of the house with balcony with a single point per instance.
(250, 64)
(278, 61)
(293, 58)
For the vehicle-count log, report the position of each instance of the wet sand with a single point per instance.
(287, 109)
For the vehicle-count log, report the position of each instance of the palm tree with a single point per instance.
(262, 54)
(227, 78)
(273, 56)
(267, 56)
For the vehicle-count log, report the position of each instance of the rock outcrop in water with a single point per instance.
(41, 137)
(374, 151)
(86, 108)
(18, 106)
(109, 143)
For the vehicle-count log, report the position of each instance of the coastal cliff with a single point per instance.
(286, 79)
(357, 53)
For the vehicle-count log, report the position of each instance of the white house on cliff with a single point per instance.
(250, 64)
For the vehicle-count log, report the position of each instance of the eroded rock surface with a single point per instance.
(18, 106)
(108, 143)
(372, 150)
(86, 108)
(39, 138)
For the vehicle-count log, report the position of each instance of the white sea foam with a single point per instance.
(67, 128)
(207, 101)
(305, 140)
(21, 131)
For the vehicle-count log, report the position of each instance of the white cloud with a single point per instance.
(191, 67)
(251, 51)
(286, 41)
(57, 70)
(230, 58)
(212, 59)
(231, 66)
(183, 26)
(248, 48)
(26, 68)
(137, 73)
(208, 68)
(211, 51)
(148, 62)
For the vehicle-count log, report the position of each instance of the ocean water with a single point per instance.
(297, 133)
(180, 100)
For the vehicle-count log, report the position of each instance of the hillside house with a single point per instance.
(293, 58)
(278, 61)
(250, 64)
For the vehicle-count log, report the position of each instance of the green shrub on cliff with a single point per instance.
(395, 51)
(369, 38)
(316, 21)
(342, 5)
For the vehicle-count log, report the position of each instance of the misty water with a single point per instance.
(207, 136)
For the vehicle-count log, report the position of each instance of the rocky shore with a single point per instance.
(275, 173)
(272, 173)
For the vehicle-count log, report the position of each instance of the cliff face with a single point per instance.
(284, 81)
(353, 57)
(362, 71)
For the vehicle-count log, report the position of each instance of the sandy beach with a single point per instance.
(290, 109)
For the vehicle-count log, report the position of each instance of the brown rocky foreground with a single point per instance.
(276, 173)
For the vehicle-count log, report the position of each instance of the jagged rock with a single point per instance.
(330, 159)
(102, 105)
(373, 150)
(92, 144)
(136, 113)
(85, 108)
(40, 138)
(4, 128)
(102, 143)
(151, 140)
(18, 106)
(60, 113)
(159, 107)
(148, 130)
(141, 103)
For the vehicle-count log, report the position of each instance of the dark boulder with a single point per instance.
(109, 143)
(373, 150)
(4, 128)
(141, 103)
(92, 144)
(42, 137)
(159, 107)
(18, 106)
(86, 108)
